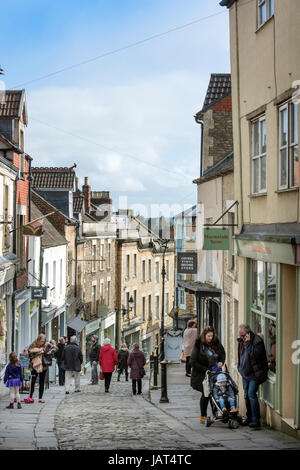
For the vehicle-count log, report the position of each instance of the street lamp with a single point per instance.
(163, 363)
(130, 308)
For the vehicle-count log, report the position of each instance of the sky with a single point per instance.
(127, 118)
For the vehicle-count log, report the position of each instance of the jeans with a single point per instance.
(94, 372)
(107, 379)
(230, 400)
(139, 384)
(203, 405)
(69, 374)
(120, 371)
(251, 400)
(42, 376)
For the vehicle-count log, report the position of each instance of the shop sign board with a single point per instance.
(216, 239)
(38, 293)
(173, 345)
(265, 251)
(187, 263)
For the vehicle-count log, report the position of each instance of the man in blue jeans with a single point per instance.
(253, 367)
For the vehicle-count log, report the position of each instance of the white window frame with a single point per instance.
(269, 10)
(259, 156)
(157, 307)
(289, 146)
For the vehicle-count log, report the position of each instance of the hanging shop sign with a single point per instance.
(38, 293)
(173, 345)
(216, 239)
(33, 229)
(187, 263)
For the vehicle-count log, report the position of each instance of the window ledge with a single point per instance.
(257, 195)
(263, 24)
(288, 190)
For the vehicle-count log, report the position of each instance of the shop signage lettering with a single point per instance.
(257, 249)
(187, 263)
(38, 293)
(216, 239)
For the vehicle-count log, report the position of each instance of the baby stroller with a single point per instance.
(232, 419)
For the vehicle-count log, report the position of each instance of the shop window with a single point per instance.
(263, 309)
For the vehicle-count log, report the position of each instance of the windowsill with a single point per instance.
(257, 195)
(288, 190)
(263, 24)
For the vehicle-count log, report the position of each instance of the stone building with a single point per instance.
(138, 277)
(265, 68)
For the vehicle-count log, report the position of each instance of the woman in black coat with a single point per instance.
(123, 356)
(208, 354)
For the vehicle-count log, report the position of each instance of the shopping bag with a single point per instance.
(101, 375)
(206, 389)
(182, 357)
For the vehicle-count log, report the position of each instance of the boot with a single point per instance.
(11, 405)
(19, 406)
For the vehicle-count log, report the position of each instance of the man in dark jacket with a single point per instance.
(71, 362)
(253, 367)
(94, 359)
(58, 355)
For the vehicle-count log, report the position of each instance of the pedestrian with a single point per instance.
(40, 358)
(108, 359)
(253, 367)
(136, 361)
(208, 354)
(123, 355)
(13, 378)
(61, 372)
(189, 337)
(71, 362)
(94, 358)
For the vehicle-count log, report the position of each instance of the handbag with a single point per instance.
(182, 357)
(46, 360)
(101, 375)
(142, 371)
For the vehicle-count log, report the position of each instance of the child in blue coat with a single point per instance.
(13, 378)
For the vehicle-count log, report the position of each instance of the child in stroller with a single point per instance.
(223, 399)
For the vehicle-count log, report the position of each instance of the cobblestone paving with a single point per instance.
(94, 419)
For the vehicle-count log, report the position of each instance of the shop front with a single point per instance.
(6, 291)
(147, 345)
(108, 327)
(91, 328)
(270, 288)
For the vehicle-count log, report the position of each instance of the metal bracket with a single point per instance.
(223, 225)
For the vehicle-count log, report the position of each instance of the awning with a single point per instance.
(200, 288)
(50, 312)
(76, 324)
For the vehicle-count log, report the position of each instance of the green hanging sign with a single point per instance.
(216, 239)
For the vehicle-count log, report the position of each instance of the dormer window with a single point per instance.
(265, 11)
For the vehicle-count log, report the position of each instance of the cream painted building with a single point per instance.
(265, 70)
(139, 264)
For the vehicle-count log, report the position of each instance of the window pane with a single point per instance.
(263, 137)
(256, 175)
(283, 167)
(255, 131)
(270, 343)
(262, 13)
(295, 166)
(257, 323)
(271, 7)
(294, 123)
(263, 170)
(271, 288)
(258, 285)
(283, 127)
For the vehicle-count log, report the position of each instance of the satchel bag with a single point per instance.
(182, 357)
(101, 375)
(142, 371)
(46, 360)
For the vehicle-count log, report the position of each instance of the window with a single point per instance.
(102, 292)
(93, 258)
(259, 155)
(181, 298)
(109, 255)
(166, 304)
(157, 271)
(134, 305)
(265, 10)
(167, 270)
(60, 277)
(149, 270)
(134, 264)
(143, 308)
(93, 300)
(47, 277)
(157, 307)
(143, 271)
(127, 266)
(54, 279)
(288, 144)
(101, 256)
(108, 294)
(263, 306)
(149, 308)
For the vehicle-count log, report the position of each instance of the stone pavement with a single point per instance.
(93, 419)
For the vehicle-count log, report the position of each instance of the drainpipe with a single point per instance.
(13, 300)
(199, 121)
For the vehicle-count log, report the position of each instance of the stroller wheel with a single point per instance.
(233, 424)
(208, 422)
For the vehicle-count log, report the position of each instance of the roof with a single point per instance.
(12, 104)
(51, 237)
(205, 290)
(53, 177)
(77, 203)
(9, 144)
(218, 88)
(221, 168)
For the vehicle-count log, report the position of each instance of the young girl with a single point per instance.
(13, 379)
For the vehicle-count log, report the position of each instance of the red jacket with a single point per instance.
(108, 358)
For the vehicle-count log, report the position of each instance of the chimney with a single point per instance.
(76, 183)
(86, 190)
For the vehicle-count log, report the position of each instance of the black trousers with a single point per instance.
(188, 366)
(61, 375)
(41, 376)
(203, 405)
(120, 372)
(139, 384)
(107, 379)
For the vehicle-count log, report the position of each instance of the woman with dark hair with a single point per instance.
(208, 354)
